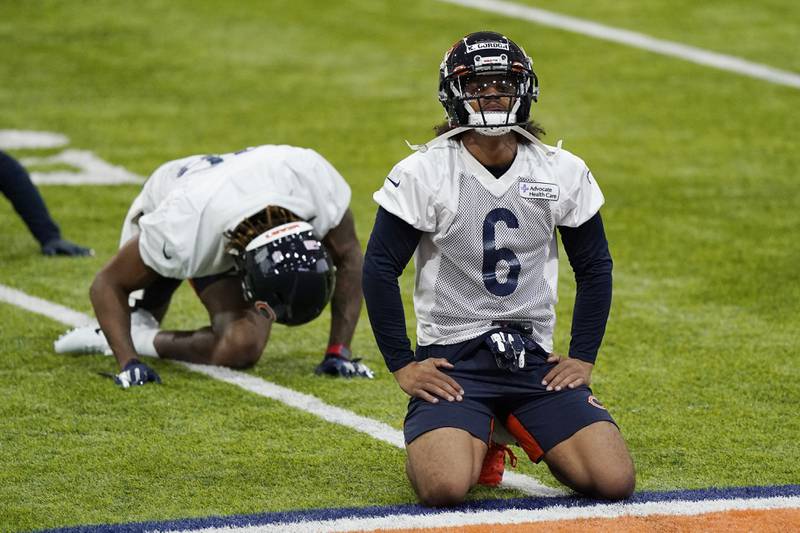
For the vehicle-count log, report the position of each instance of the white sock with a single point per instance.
(144, 341)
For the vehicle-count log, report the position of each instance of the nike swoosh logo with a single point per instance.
(164, 251)
(397, 184)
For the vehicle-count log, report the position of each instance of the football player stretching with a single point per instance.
(263, 235)
(478, 208)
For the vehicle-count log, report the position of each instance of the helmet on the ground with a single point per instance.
(288, 268)
(473, 64)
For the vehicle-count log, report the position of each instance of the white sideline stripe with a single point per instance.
(304, 402)
(636, 40)
(65, 315)
(516, 516)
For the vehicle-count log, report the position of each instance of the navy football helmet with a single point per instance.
(288, 268)
(475, 64)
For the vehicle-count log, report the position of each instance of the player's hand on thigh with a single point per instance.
(568, 373)
(423, 379)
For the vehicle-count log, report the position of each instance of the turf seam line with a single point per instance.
(634, 39)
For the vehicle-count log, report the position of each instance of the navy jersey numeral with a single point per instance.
(212, 160)
(493, 255)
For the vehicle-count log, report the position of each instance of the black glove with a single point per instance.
(136, 373)
(340, 364)
(65, 247)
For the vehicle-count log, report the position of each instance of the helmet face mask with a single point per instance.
(504, 85)
(479, 72)
(288, 269)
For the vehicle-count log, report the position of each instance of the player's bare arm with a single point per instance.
(123, 274)
(345, 251)
(423, 379)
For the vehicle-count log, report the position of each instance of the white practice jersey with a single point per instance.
(489, 250)
(188, 204)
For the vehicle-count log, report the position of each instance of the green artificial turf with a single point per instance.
(700, 359)
(762, 31)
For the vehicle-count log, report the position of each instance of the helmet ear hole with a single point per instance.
(265, 310)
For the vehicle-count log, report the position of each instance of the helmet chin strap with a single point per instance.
(443, 137)
(422, 148)
(532, 138)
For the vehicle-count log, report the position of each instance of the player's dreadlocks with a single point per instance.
(253, 226)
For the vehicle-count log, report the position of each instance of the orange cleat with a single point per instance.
(494, 464)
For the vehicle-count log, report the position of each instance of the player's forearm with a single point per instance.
(346, 301)
(195, 346)
(110, 302)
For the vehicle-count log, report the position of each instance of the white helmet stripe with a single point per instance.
(278, 232)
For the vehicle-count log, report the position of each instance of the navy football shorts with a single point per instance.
(538, 419)
(200, 284)
(160, 292)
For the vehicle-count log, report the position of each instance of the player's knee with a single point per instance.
(616, 485)
(442, 493)
(238, 352)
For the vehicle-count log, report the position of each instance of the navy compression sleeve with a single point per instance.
(390, 248)
(16, 184)
(587, 250)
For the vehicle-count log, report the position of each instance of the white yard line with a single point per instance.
(636, 40)
(298, 400)
(65, 315)
(304, 402)
(26, 139)
(89, 170)
(515, 516)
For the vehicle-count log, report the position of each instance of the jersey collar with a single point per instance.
(496, 186)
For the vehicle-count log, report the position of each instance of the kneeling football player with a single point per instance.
(478, 207)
